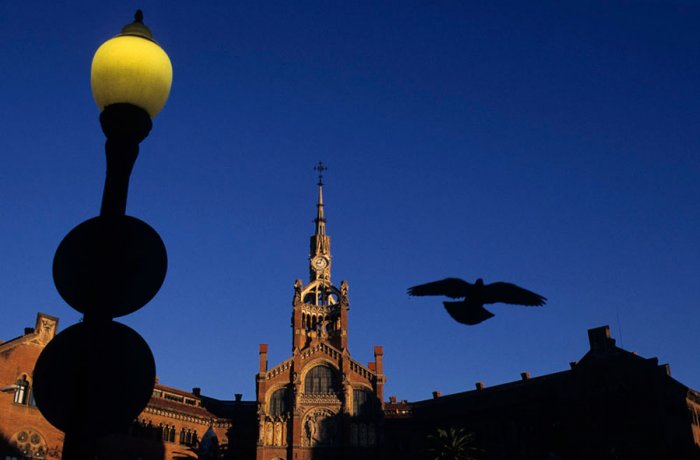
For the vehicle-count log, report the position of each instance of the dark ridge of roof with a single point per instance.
(181, 408)
(178, 391)
(228, 408)
(495, 388)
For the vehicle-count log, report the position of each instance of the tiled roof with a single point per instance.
(176, 391)
(174, 406)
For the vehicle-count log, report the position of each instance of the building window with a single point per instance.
(172, 397)
(168, 433)
(361, 402)
(189, 438)
(22, 391)
(320, 380)
(278, 402)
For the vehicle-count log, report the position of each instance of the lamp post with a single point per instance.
(96, 376)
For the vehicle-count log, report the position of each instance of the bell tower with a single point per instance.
(319, 403)
(319, 308)
(320, 248)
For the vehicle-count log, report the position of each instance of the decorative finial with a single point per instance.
(137, 28)
(320, 167)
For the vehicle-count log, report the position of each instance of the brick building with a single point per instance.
(321, 404)
(173, 423)
(320, 401)
(21, 423)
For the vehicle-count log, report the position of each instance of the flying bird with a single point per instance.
(471, 310)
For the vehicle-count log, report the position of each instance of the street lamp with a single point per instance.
(96, 376)
(131, 77)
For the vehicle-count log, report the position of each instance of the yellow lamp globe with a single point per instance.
(132, 68)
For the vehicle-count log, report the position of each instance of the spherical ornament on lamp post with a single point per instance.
(131, 68)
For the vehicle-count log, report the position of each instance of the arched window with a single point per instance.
(320, 380)
(278, 402)
(361, 402)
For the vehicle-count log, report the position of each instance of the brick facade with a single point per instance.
(21, 423)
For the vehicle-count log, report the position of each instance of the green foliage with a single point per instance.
(452, 444)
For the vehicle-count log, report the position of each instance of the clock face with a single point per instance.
(319, 263)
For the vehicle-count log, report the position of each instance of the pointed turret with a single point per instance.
(320, 217)
(320, 250)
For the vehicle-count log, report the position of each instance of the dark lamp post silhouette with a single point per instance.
(96, 376)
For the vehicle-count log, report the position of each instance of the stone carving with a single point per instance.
(320, 428)
(46, 331)
(309, 431)
(268, 434)
(297, 291)
(261, 432)
(29, 443)
(47, 325)
(344, 300)
(278, 434)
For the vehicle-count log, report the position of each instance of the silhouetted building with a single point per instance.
(322, 404)
(612, 404)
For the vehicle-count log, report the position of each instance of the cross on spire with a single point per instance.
(320, 167)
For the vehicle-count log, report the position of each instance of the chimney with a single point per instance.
(372, 366)
(379, 359)
(28, 330)
(479, 385)
(263, 357)
(196, 391)
(525, 376)
(572, 364)
(392, 399)
(436, 394)
(238, 396)
(599, 339)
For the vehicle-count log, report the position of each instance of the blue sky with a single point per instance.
(550, 144)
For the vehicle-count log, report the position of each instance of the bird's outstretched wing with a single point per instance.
(512, 294)
(450, 287)
(466, 313)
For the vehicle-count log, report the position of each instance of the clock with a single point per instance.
(319, 263)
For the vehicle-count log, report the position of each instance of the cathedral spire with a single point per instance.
(320, 218)
(320, 251)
